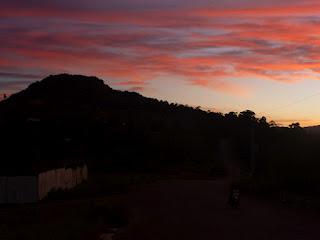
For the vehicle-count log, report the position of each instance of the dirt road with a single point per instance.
(196, 209)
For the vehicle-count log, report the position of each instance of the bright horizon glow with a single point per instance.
(224, 55)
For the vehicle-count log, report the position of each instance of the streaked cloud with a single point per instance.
(132, 43)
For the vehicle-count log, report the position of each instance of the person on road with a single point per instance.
(234, 198)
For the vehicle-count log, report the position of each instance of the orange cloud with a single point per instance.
(224, 87)
(131, 48)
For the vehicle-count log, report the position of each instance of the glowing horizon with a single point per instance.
(228, 55)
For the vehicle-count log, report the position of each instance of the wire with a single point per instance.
(296, 102)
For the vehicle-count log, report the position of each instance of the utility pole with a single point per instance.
(253, 151)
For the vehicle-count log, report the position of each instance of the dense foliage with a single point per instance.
(66, 118)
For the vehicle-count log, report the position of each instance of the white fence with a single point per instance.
(28, 189)
(60, 179)
(18, 189)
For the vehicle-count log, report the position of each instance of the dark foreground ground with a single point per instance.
(196, 209)
(155, 208)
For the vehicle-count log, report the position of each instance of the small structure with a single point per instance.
(32, 187)
(36, 159)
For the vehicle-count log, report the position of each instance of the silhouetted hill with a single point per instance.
(66, 95)
(78, 117)
(72, 116)
(67, 119)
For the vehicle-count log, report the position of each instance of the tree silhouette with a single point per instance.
(115, 130)
(248, 115)
(295, 125)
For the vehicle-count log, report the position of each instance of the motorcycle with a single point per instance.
(234, 199)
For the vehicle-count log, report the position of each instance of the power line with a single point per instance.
(296, 102)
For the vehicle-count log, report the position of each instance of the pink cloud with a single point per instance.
(205, 46)
(224, 87)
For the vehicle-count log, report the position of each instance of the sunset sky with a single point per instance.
(223, 55)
